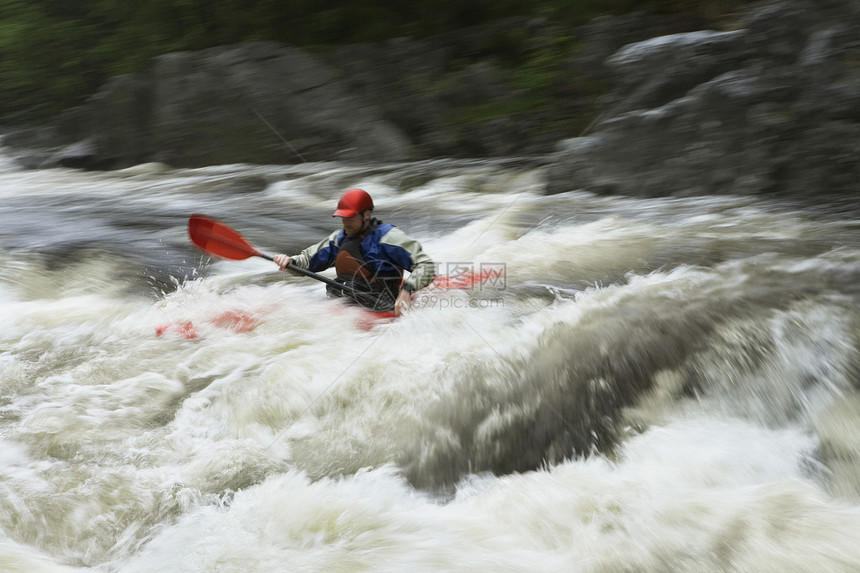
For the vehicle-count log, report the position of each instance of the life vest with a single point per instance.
(374, 286)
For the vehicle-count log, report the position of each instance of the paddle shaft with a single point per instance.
(312, 275)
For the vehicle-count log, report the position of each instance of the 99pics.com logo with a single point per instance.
(470, 276)
(464, 285)
(443, 301)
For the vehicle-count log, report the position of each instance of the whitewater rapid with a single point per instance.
(649, 384)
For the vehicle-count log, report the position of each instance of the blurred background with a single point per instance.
(54, 54)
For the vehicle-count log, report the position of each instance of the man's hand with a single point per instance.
(403, 302)
(282, 261)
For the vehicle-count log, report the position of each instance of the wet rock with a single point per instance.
(80, 155)
(453, 95)
(769, 108)
(254, 103)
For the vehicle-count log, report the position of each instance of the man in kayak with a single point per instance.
(369, 257)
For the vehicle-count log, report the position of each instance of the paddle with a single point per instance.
(216, 238)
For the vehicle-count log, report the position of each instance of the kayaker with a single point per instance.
(370, 256)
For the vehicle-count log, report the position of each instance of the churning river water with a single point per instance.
(649, 385)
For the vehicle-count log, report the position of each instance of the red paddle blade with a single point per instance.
(218, 239)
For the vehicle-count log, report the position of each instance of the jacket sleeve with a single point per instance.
(320, 256)
(407, 253)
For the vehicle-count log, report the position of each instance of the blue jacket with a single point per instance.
(385, 249)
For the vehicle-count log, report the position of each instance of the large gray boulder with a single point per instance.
(262, 103)
(768, 108)
(256, 103)
(399, 99)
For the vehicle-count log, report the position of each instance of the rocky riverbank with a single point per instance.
(770, 107)
(767, 106)
(513, 88)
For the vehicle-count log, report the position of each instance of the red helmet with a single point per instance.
(352, 203)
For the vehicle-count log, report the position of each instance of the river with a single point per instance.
(642, 384)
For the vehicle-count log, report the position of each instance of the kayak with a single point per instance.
(368, 320)
(235, 320)
(243, 321)
(216, 238)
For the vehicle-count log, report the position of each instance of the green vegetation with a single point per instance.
(55, 53)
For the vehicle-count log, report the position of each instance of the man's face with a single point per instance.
(355, 225)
